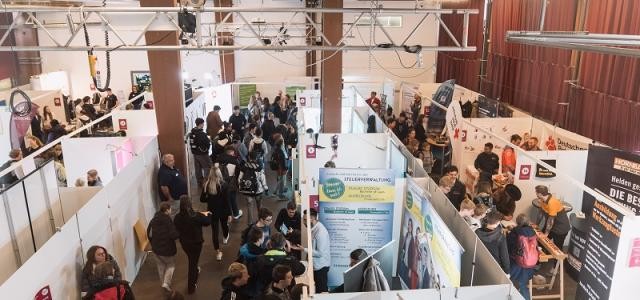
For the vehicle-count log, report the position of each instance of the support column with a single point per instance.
(168, 91)
(331, 70)
(19, 65)
(227, 58)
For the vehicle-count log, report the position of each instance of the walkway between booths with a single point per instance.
(147, 284)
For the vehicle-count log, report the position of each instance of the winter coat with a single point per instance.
(268, 128)
(162, 235)
(214, 124)
(199, 142)
(219, 203)
(496, 243)
(262, 181)
(373, 278)
(249, 252)
(110, 289)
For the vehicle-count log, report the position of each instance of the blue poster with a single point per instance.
(356, 207)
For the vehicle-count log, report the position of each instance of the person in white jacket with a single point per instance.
(321, 243)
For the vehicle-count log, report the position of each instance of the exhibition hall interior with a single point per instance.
(319, 149)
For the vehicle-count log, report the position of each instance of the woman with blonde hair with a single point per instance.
(219, 206)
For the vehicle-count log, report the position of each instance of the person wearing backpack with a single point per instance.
(219, 206)
(492, 237)
(230, 167)
(199, 143)
(252, 183)
(259, 146)
(522, 244)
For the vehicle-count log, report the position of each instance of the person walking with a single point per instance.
(229, 165)
(252, 183)
(279, 159)
(214, 122)
(189, 225)
(200, 144)
(219, 206)
(321, 243)
(163, 235)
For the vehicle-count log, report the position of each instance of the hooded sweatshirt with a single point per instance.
(496, 243)
(199, 142)
(232, 292)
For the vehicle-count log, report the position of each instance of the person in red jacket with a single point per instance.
(106, 287)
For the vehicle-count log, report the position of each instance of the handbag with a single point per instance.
(203, 196)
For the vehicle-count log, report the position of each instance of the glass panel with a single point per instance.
(20, 217)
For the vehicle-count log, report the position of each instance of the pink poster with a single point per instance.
(124, 154)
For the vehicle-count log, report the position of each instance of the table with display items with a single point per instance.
(549, 251)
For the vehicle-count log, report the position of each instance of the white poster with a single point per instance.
(454, 125)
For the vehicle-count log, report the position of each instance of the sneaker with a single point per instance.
(219, 256)
(226, 239)
(239, 214)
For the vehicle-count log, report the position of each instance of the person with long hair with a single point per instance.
(189, 224)
(219, 206)
(95, 256)
(107, 286)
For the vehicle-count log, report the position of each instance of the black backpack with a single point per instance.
(276, 157)
(248, 183)
(257, 149)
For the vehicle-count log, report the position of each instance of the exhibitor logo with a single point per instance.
(626, 166)
(333, 188)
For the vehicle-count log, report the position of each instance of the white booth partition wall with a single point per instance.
(107, 219)
(222, 96)
(135, 122)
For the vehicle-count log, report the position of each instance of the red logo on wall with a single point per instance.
(56, 101)
(43, 294)
(525, 172)
(303, 101)
(634, 258)
(311, 151)
(314, 201)
(122, 123)
(463, 135)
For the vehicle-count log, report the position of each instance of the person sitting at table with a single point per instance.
(487, 163)
(557, 224)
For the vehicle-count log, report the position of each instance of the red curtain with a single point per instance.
(605, 105)
(464, 67)
(529, 77)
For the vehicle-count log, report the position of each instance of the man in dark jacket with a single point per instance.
(276, 256)
(172, 184)
(214, 122)
(238, 121)
(200, 144)
(230, 168)
(289, 222)
(402, 128)
(163, 235)
(234, 285)
(487, 163)
(491, 236)
(458, 191)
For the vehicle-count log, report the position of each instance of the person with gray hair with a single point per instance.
(171, 183)
(93, 179)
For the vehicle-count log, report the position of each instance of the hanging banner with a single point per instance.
(430, 255)
(356, 207)
(555, 138)
(598, 262)
(487, 108)
(615, 173)
(454, 125)
(442, 96)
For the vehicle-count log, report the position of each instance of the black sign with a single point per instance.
(487, 108)
(577, 245)
(605, 224)
(543, 172)
(437, 115)
(615, 173)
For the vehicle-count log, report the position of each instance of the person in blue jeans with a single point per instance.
(519, 274)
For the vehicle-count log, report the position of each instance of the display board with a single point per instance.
(596, 274)
(356, 207)
(443, 96)
(293, 90)
(430, 255)
(615, 173)
(245, 91)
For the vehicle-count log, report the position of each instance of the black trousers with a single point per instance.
(558, 239)
(321, 279)
(218, 220)
(193, 255)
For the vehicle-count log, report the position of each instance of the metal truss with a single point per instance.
(614, 44)
(208, 37)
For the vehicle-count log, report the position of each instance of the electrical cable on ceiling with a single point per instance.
(93, 59)
(23, 108)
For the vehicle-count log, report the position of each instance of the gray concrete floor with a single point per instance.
(147, 284)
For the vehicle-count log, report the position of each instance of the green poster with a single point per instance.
(291, 90)
(245, 91)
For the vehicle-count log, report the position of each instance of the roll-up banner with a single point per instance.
(356, 207)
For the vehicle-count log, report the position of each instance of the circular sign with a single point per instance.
(333, 188)
(123, 123)
(409, 201)
(311, 150)
(525, 171)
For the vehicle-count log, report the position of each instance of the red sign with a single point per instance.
(525, 172)
(43, 294)
(314, 201)
(463, 135)
(303, 101)
(56, 101)
(311, 151)
(634, 258)
(122, 123)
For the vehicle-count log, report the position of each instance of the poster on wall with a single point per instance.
(615, 173)
(430, 255)
(487, 108)
(356, 207)
(542, 172)
(598, 261)
(245, 91)
(442, 96)
(555, 138)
